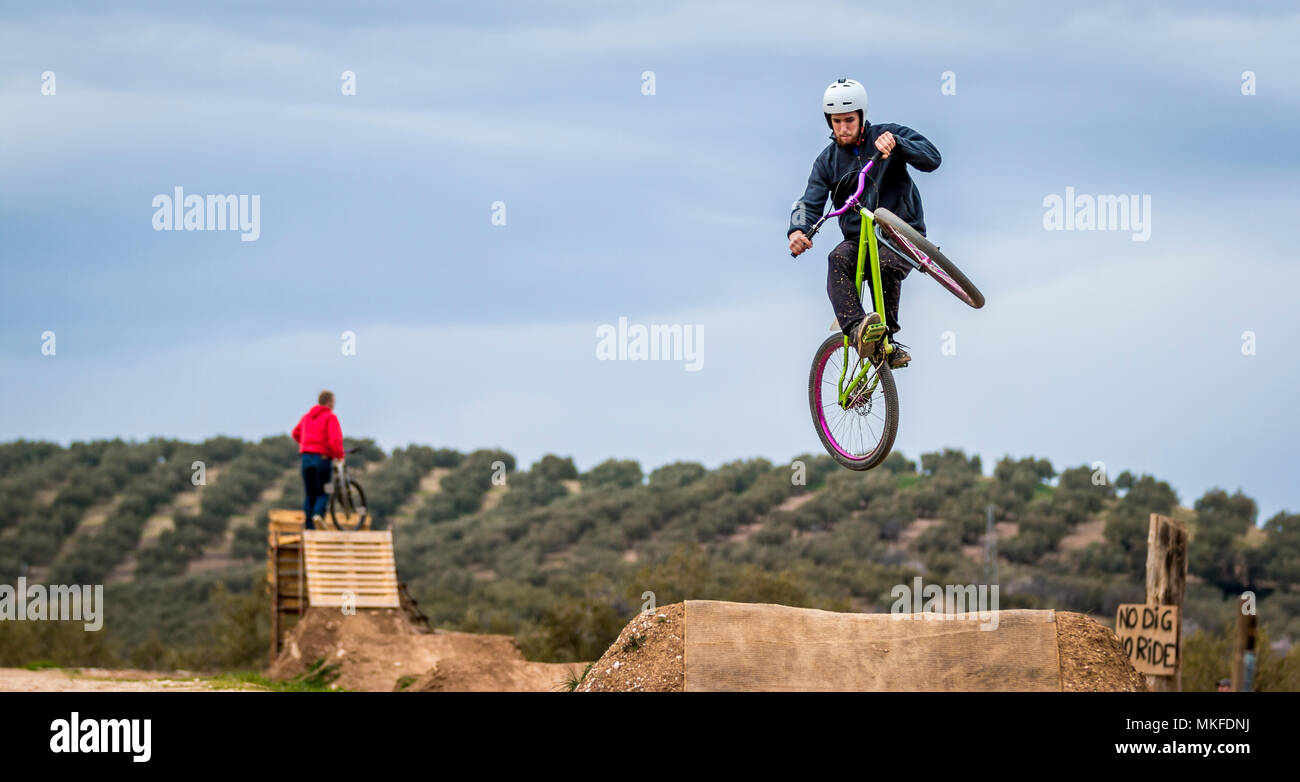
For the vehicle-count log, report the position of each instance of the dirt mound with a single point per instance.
(649, 656)
(379, 650)
(464, 675)
(1092, 659)
(646, 657)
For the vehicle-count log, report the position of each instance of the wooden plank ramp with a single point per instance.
(351, 569)
(753, 647)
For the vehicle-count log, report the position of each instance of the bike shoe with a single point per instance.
(868, 333)
(900, 357)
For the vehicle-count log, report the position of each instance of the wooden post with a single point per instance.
(284, 571)
(273, 585)
(1243, 641)
(1167, 584)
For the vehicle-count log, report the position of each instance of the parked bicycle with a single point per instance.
(347, 508)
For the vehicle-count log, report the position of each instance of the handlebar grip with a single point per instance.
(811, 232)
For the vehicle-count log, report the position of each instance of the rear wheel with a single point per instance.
(859, 434)
(933, 262)
(348, 506)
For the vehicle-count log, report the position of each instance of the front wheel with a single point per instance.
(348, 507)
(858, 433)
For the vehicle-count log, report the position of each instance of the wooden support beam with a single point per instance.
(1243, 642)
(284, 572)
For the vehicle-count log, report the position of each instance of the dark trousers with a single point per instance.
(316, 472)
(843, 267)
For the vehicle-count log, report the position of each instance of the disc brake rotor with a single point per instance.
(861, 401)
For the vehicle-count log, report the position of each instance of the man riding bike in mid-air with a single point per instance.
(835, 172)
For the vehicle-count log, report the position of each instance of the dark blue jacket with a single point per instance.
(835, 172)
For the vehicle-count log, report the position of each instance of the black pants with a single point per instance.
(843, 267)
(316, 472)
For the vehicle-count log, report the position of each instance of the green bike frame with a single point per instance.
(866, 249)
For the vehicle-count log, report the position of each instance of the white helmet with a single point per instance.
(843, 96)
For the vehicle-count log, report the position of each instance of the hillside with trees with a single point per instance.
(561, 558)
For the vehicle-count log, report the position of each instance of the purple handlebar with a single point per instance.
(862, 185)
(849, 204)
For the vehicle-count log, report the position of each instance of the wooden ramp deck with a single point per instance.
(329, 568)
(351, 569)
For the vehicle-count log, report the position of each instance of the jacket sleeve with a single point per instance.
(810, 207)
(916, 148)
(335, 434)
(297, 432)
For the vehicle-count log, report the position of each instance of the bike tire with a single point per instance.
(889, 395)
(343, 511)
(961, 286)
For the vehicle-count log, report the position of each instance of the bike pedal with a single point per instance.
(873, 333)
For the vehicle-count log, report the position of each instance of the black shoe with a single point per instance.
(899, 358)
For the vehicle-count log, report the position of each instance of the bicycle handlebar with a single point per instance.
(848, 204)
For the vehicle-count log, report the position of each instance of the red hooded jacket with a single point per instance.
(319, 432)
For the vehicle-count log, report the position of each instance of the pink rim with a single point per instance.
(821, 411)
(930, 267)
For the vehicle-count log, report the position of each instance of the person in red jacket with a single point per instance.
(320, 440)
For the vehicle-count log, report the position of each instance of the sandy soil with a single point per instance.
(1084, 533)
(914, 530)
(100, 680)
(459, 674)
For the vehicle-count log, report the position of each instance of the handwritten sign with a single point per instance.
(1149, 635)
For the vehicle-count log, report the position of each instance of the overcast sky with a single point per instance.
(377, 218)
